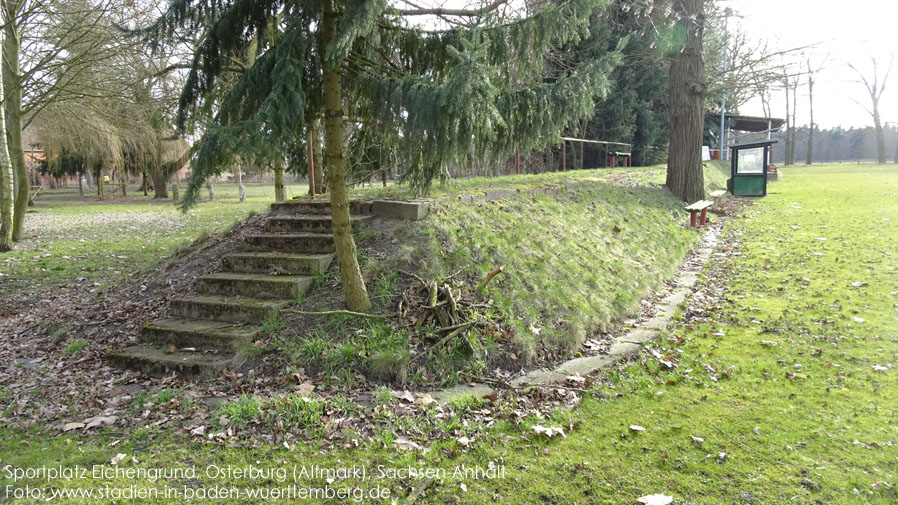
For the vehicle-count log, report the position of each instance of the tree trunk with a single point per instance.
(174, 190)
(100, 183)
(353, 283)
(211, 188)
(788, 146)
(160, 183)
(317, 165)
(144, 185)
(7, 186)
(12, 86)
(687, 93)
(810, 158)
(124, 182)
(880, 135)
(896, 152)
(280, 192)
(794, 125)
(241, 191)
(80, 184)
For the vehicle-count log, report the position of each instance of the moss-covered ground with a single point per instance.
(783, 390)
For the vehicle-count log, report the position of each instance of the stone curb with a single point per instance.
(623, 346)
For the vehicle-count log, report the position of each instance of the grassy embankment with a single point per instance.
(783, 390)
(574, 263)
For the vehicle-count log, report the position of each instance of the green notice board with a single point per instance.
(749, 168)
(749, 186)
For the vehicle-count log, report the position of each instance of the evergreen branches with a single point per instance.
(234, 24)
(521, 45)
(472, 118)
(358, 21)
(466, 95)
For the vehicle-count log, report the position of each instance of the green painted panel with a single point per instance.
(749, 186)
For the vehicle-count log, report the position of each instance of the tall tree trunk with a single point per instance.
(100, 183)
(80, 184)
(687, 93)
(794, 124)
(810, 158)
(241, 191)
(160, 183)
(896, 151)
(144, 185)
(12, 86)
(280, 192)
(880, 135)
(788, 147)
(353, 283)
(317, 165)
(7, 186)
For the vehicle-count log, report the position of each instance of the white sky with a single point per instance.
(846, 32)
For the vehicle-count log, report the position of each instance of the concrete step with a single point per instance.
(198, 333)
(155, 361)
(308, 206)
(311, 223)
(220, 308)
(282, 263)
(282, 287)
(291, 242)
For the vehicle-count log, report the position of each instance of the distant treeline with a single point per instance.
(836, 144)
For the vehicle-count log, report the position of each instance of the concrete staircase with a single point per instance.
(205, 329)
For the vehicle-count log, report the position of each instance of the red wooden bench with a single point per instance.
(700, 206)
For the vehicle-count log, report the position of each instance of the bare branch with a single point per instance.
(440, 11)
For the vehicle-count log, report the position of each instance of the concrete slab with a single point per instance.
(411, 211)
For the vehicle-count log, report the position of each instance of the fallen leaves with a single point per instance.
(72, 426)
(549, 432)
(99, 421)
(404, 444)
(655, 499)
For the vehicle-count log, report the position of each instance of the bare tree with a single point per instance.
(6, 184)
(810, 73)
(790, 85)
(875, 87)
(49, 51)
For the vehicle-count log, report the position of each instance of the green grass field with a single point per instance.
(783, 389)
(77, 242)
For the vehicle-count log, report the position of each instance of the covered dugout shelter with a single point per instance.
(747, 129)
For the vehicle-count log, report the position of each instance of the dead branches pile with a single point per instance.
(440, 311)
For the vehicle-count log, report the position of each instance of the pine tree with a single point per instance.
(468, 94)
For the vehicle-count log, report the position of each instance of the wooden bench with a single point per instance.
(695, 208)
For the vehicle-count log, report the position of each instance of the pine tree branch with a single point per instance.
(440, 11)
